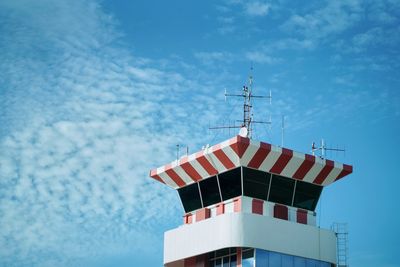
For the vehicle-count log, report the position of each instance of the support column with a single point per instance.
(239, 257)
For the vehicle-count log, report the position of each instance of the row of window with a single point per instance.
(228, 257)
(264, 258)
(252, 183)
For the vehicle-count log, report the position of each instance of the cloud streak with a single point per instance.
(85, 121)
(256, 8)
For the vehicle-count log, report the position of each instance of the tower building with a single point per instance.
(249, 204)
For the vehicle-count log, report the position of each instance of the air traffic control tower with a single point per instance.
(249, 204)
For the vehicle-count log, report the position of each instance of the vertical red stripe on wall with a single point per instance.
(187, 218)
(305, 167)
(202, 260)
(281, 212)
(220, 208)
(239, 257)
(302, 216)
(202, 214)
(257, 206)
(190, 262)
(282, 161)
(237, 204)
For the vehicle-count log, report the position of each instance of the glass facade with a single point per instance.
(210, 191)
(230, 183)
(307, 195)
(190, 197)
(223, 258)
(260, 258)
(281, 190)
(265, 258)
(248, 258)
(256, 183)
(252, 183)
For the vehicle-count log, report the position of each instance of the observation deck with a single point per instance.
(243, 167)
(243, 193)
(243, 152)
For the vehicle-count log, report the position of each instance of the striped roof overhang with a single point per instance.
(240, 151)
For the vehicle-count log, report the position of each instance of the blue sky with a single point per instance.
(96, 93)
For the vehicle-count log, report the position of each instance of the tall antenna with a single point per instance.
(323, 149)
(283, 129)
(178, 150)
(246, 123)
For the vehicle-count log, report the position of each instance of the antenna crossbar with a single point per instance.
(224, 127)
(247, 108)
(323, 149)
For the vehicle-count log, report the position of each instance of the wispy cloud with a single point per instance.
(260, 57)
(237, 13)
(256, 8)
(82, 122)
(211, 58)
(334, 18)
(84, 119)
(374, 38)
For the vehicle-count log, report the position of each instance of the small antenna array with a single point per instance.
(323, 149)
(178, 150)
(246, 123)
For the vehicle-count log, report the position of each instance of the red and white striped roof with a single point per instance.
(240, 151)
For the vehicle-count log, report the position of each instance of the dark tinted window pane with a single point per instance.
(222, 252)
(230, 182)
(209, 191)
(190, 197)
(225, 261)
(217, 262)
(255, 183)
(211, 255)
(281, 190)
(307, 195)
(233, 261)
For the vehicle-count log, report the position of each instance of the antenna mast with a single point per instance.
(247, 108)
(323, 149)
(283, 129)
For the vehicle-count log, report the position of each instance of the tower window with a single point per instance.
(230, 183)
(190, 197)
(281, 190)
(255, 183)
(210, 191)
(307, 195)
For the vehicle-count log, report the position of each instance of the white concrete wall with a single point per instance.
(268, 210)
(249, 230)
